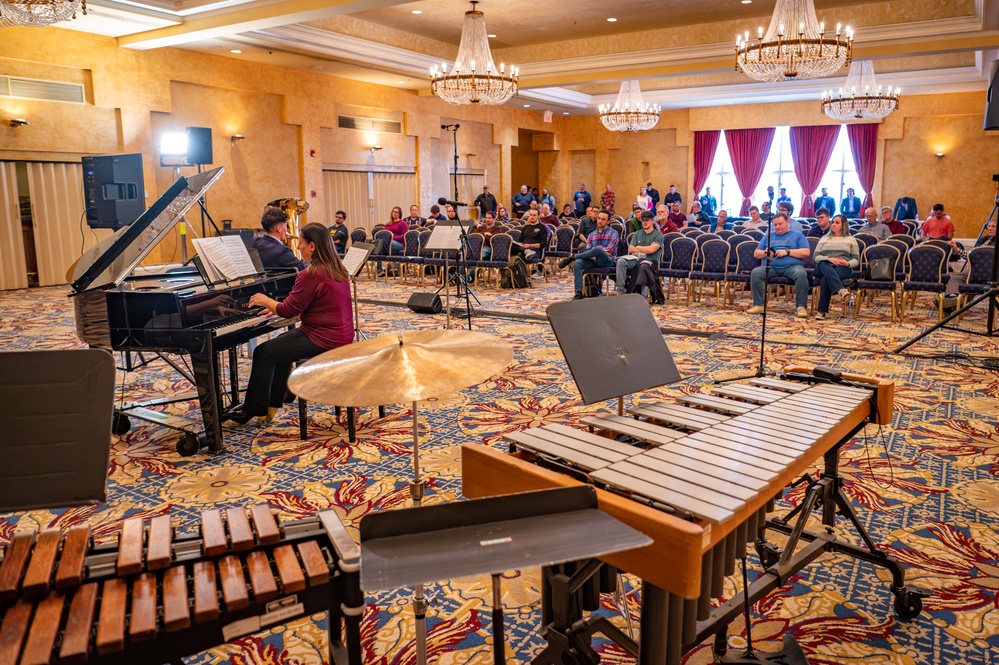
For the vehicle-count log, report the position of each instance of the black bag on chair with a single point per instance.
(880, 270)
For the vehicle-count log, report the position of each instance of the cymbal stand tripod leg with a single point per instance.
(416, 490)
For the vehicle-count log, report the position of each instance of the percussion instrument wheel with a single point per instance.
(120, 424)
(190, 443)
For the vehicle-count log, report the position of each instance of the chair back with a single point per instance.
(424, 237)
(383, 242)
(682, 253)
(881, 251)
(738, 228)
(475, 242)
(714, 255)
(563, 238)
(358, 235)
(667, 254)
(690, 231)
(911, 227)
(745, 253)
(902, 237)
(756, 234)
(980, 262)
(809, 261)
(724, 234)
(376, 228)
(617, 226)
(515, 234)
(942, 244)
(927, 263)
(902, 267)
(500, 244)
(411, 243)
(865, 240)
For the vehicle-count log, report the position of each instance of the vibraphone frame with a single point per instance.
(340, 595)
(674, 569)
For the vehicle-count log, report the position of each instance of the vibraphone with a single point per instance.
(156, 596)
(699, 478)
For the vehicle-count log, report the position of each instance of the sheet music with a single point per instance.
(355, 257)
(226, 255)
(445, 237)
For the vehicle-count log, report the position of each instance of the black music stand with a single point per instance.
(56, 439)
(448, 236)
(613, 347)
(415, 546)
(353, 261)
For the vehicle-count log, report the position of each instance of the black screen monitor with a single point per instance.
(113, 190)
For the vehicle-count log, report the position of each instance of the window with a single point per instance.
(779, 172)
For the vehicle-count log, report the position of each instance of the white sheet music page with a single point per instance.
(354, 259)
(227, 255)
(445, 237)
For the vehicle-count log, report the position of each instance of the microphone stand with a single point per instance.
(761, 371)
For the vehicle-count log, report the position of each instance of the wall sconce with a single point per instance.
(373, 148)
(236, 137)
(18, 122)
(645, 163)
(470, 154)
(939, 155)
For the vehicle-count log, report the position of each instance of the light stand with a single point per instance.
(991, 293)
(761, 371)
(454, 133)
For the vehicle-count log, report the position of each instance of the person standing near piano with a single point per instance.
(321, 299)
(273, 252)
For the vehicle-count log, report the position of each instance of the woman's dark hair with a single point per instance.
(396, 209)
(272, 217)
(325, 253)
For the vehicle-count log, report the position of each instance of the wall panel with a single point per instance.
(392, 189)
(13, 273)
(582, 169)
(348, 191)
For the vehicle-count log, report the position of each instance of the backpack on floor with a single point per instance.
(517, 275)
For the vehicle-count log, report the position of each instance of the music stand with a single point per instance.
(416, 546)
(355, 258)
(613, 347)
(449, 236)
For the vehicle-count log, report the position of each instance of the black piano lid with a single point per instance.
(113, 260)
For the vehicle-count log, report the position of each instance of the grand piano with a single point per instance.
(120, 306)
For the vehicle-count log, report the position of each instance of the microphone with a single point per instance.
(454, 126)
(444, 201)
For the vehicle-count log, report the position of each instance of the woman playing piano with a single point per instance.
(321, 300)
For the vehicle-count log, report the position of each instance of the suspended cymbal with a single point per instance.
(399, 368)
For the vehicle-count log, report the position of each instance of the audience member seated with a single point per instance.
(600, 252)
(905, 208)
(874, 225)
(568, 214)
(893, 224)
(678, 218)
(587, 225)
(836, 256)
(273, 252)
(635, 221)
(414, 218)
(546, 217)
(937, 225)
(450, 212)
(787, 208)
(339, 231)
(646, 243)
(755, 220)
(533, 238)
(698, 217)
(765, 212)
(721, 222)
(663, 222)
(321, 300)
(821, 224)
(502, 217)
(960, 276)
(488, 229)
(435, 214)
(522, 201)
(785, 253)
(397, 226)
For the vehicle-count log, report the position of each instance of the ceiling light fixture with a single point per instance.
(795, 46)
(18, 122)
(491, 36)
(527, 106)
(417, 11)
(630, 113)
(235, 50)
(747, 2)
(861, 98)
(612, 20)
(473, 79)
(39, 13)
(565, 113)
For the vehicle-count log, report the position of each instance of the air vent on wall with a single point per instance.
(368, 124)
(53, 91)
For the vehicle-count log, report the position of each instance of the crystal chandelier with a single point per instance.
(795, 46)
(630, 113)
(474, 78)
(861, 98)
(39, 13)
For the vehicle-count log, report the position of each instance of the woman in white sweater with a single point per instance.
(836, 256)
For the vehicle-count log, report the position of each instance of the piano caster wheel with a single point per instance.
(120, 424)
(908, 602)
(189, 444)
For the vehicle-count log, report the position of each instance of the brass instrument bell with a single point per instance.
(291, 207)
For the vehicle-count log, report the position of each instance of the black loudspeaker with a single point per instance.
(425, 303)
(113, 190)
(199, 145)
(992, 99)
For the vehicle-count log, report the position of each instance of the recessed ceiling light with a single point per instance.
(417, 11)
(612, 20)
(235, 50)
(565, 113)
(747, 2)
(317, 66)
(527, 106)
(491, 36)
(400, 83)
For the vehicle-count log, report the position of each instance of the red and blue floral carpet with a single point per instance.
(928, 491)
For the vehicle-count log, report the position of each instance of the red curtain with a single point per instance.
(864, 146)
(749, 149)
(811, 148)
(705, 147)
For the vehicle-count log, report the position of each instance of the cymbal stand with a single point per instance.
(416, 491)
(499, 642)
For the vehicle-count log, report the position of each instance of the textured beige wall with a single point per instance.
(524, 169)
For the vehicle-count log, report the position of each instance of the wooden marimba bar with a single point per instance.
(64, 600)
(699, 478)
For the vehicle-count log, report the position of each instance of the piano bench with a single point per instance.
(303, 420)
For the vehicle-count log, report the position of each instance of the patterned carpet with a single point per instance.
(928, 492)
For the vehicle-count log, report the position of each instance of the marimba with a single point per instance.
(67, 601)
(699, 478)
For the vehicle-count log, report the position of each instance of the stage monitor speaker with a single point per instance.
(992, 99)
(199, 145)
(425, 303)
(113, 190)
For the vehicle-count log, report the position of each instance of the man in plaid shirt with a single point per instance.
(600, 252)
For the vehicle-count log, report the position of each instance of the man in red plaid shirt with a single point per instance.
(600, 252)
(607, 200)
